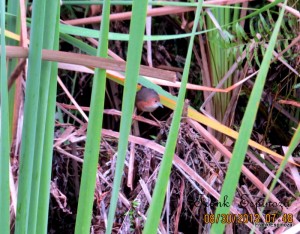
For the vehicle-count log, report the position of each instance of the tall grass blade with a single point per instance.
(91, 153)
(137, 28)
(41, 134)
(165, 168)
(30, 116)
(13, 25)
(241, 145)
(44, 194)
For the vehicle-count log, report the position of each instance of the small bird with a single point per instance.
(147, 100)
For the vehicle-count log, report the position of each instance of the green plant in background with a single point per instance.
(137, 28)
(241, 145)
(37, 140)
(229, 42)
(13, 25)
(220, 56)
(133, 214)
(92, 147)
(160, 189)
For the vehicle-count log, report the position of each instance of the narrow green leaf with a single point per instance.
(158, 198)
(136, 34)
(252, 29)
(44, 194)
(255, 53)
(41, 140)
(13, 25)
(84, 32)
(241, 145)
(292, 146)
(265, 25)
(241, 34)
(92, 147)
(30, 116)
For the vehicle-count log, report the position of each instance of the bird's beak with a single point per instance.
(160, 105)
